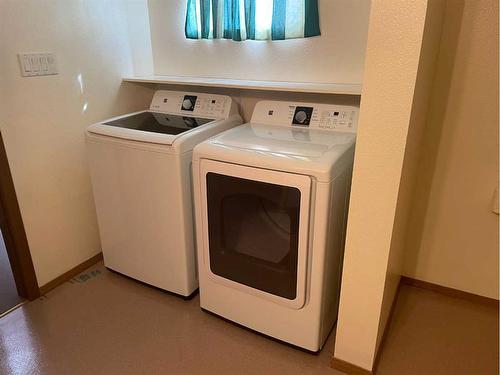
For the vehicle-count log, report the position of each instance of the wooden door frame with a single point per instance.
(12, 227)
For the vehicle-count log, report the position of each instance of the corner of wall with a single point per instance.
(418, 122)
(452, 234)
(372, 265)
(139, 30)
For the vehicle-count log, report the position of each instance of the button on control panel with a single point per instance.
(337, 119)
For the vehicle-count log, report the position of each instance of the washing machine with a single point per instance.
(140, 166)
(271, 202)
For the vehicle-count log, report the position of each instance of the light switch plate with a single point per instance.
(37, 64)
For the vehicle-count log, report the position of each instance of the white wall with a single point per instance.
(453, 236)
(393, 105)
(409, 175)
(42, 119)
(336, 56)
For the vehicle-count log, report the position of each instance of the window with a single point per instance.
(252, 19)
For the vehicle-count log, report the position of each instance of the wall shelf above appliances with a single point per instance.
(306, 87)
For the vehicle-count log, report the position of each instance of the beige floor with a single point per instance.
(102, 323)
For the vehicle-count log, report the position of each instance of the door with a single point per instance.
(256, 230)
(11, 226)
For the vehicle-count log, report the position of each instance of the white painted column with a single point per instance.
(371, 269)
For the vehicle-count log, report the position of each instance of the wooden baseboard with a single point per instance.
(449, 291)
(44, 289)
(349, 368)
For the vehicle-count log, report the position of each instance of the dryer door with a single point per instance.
(255, 225)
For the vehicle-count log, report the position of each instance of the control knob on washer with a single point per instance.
(187, 104)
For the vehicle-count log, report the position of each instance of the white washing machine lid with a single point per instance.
(149, 126)
(311, 152)
(172, 115)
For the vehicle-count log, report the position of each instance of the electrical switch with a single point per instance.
(37, 64)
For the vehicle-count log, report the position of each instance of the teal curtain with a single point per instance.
(252, 19)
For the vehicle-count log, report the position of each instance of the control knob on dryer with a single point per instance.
(300, 117)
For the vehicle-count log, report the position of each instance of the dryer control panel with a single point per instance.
(192, 104)
(307, 115)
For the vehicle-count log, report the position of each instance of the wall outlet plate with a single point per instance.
(37, 64)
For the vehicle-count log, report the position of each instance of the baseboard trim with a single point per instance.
(449, 291)
(349, 368)
(44, 289)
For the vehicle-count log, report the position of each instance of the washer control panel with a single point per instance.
(192, 104)
(307, 115)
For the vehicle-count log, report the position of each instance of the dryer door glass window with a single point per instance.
(253, 232)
